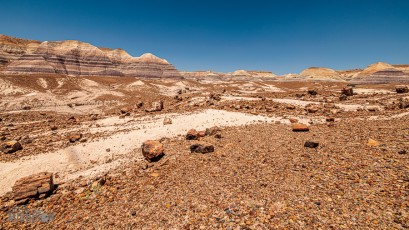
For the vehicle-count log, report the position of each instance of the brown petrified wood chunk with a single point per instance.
(35, 186)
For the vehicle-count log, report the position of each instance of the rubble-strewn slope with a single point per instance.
(75, 58)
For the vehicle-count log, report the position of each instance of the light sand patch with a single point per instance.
(271, 88)
(60, 82)
(294, 102)
(346, 107)
(137, 83)
(372, 91)
(173, 89)
(89, 83)
(196, 100)
(236, 98)
(42, 82)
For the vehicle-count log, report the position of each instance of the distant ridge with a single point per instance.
(76, 58)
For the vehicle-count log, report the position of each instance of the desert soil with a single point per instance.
(260, 175)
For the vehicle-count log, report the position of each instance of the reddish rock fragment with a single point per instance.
(402, 89)
(293, 120)
(343, 97)
(152, 150)
(75, 137)
(199, 148)
(297, 127)
(35, 186)
(156, 106)
(201, 134)
(312, 92)
(11, 147)
(311, 144)
(348, 91)
(212, 131)
(192, 135)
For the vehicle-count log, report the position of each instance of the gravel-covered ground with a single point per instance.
(259, 177)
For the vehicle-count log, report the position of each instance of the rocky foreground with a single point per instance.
(258, 177)
(129, 153)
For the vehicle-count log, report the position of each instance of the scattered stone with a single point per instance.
(181, 91)
(152, 150)
(343, 97)
(372, 108)
(373, 143)
(403, 104)
(11, 147)
(201, 133)
(297, 127)
(269, 109)
(402, 151)
(167, 121)
(192, 135)
(199, 148)
(156, 106)
(312, 92)
(312, 109)
(218, 135)
(26, 140)
(293, 120)
(402, 89)
(125, 110)
(26, 107)
(348, 91)
(212, 131)
(139, 104)
(75, 137)
(311, 144)
(329, 119)
(98, 183)
(35, 186)
(216, 97)
(178, 98)
(108, 150)
(94, 117)
(53, 128)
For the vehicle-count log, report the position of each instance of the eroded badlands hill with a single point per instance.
(379, 72)
(75, 58)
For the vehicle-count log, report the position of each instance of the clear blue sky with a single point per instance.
(281, 36)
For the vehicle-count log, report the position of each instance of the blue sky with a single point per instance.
(280, 36)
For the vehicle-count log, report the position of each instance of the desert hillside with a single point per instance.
(75, 58)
